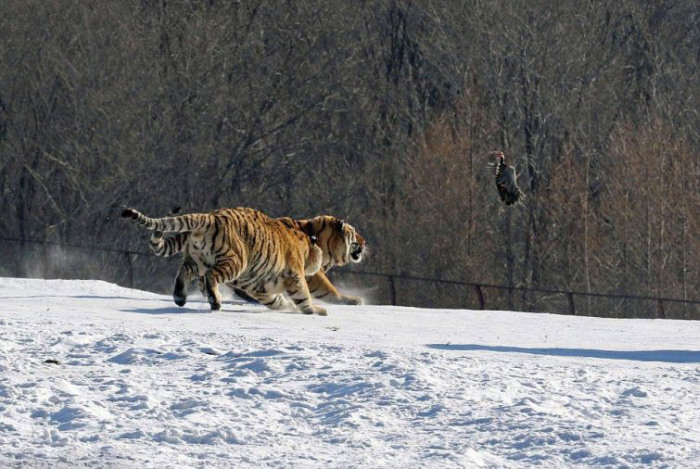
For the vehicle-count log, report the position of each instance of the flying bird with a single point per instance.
(506, 180)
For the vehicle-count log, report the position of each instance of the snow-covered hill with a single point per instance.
(140, 382)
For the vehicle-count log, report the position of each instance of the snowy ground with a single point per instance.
(142, 383)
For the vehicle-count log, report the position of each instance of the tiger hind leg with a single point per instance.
(226, 270)
(185, 274)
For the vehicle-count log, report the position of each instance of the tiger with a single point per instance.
(339, 242)
(241, 246)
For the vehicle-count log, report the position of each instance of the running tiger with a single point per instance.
(244, 247)
(339, 242)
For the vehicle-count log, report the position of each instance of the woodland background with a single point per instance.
(382, 112)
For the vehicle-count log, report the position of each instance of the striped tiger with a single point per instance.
(242, 246)
(339, 243)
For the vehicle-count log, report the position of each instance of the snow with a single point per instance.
(142, 383)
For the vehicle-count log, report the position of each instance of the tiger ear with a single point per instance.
(339, 224)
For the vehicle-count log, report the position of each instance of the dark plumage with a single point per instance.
(506, 180)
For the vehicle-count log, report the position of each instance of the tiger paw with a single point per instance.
(180, 300)
(313, 309)
(354, 300)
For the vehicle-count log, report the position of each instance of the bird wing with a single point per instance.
(502, 191)
(508, 186)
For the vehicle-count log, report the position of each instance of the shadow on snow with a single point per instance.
(200, 307)
(166, 310)
(669, 356)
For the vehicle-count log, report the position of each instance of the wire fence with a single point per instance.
(401, 289)
(654, 306)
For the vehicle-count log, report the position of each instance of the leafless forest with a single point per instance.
(382, 112)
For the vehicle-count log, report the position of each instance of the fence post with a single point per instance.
(130, 270)
(480, 297)
(572, 306)
(392, 290)
(660, 306)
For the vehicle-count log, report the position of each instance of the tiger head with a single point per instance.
(338, 240)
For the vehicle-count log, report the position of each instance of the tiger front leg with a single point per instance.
(185, 274)
(225, 270)
(347, 300)
(322, 288)
(298, 291)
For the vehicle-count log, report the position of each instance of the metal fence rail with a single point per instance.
(478, 287)
(391, 279)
